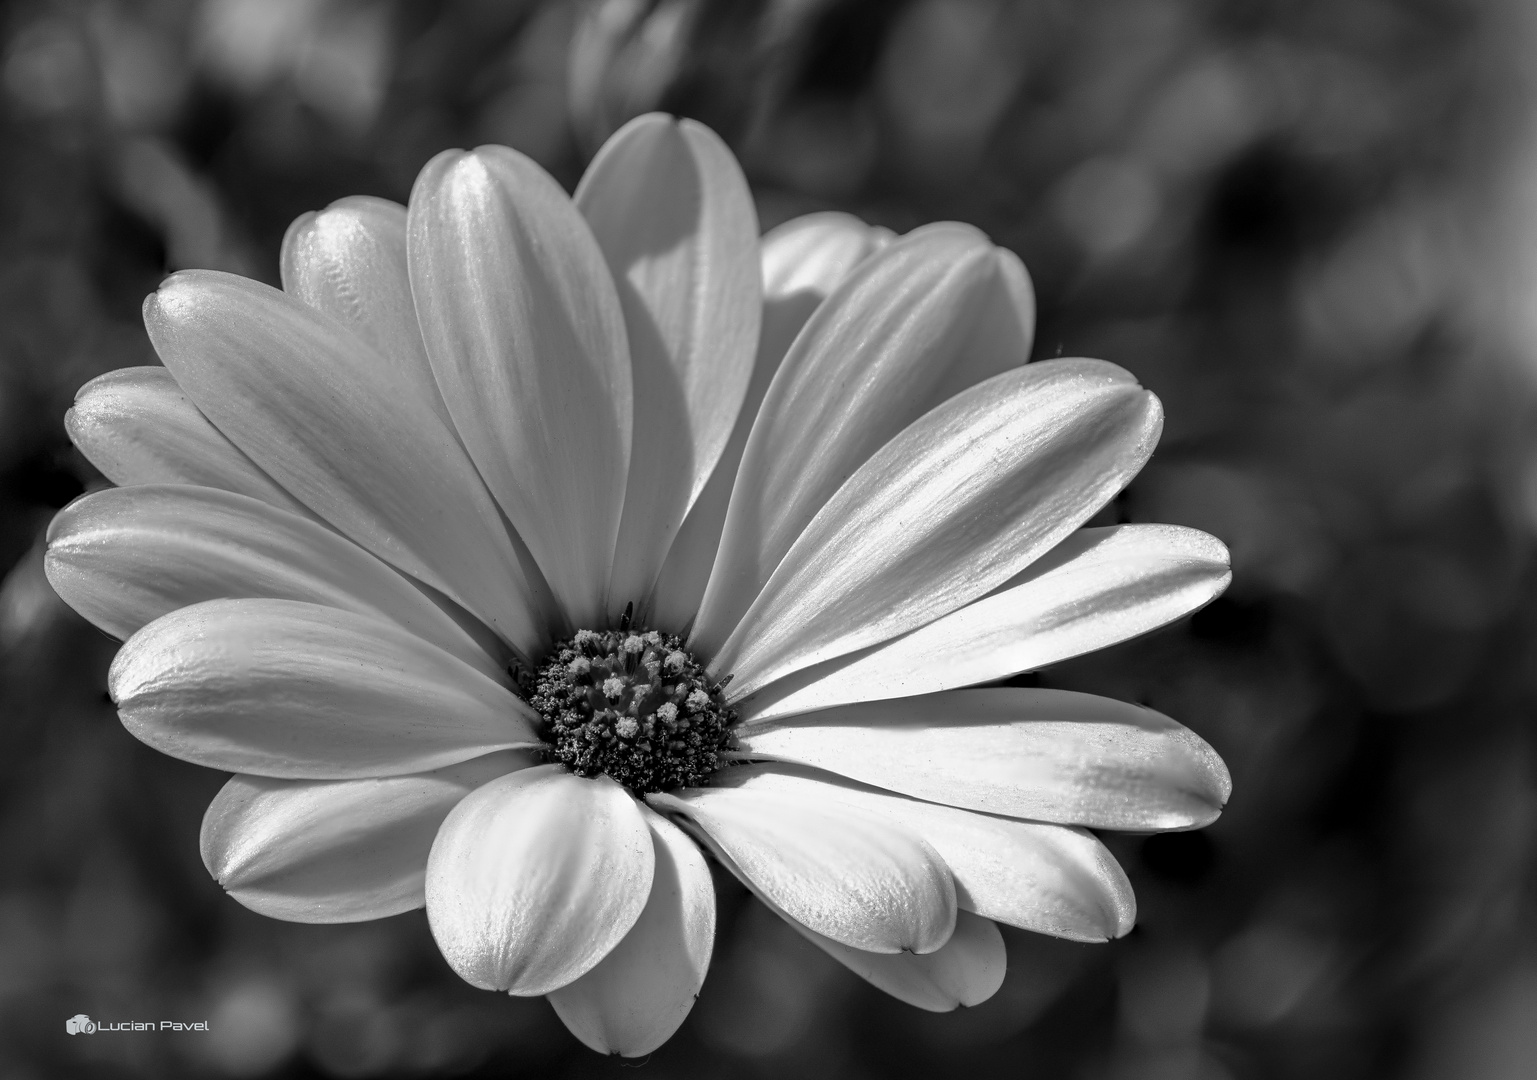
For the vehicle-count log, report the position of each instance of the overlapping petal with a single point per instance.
(1047, 878)
(959, 502)
(639, 994)
(849, 875)
(524, 330)
(138, 427)
(347, 435)
(126, 556)
(535, 877)
(295, 690)
(1097, 588)
(932, 314)
(1048, 755)
(671, 210)
(335, 851)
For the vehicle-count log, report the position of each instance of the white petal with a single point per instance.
(1047, 878)
(1050, 755)
(852, 876)
(803, 261)
(335, 851)
(126, 556)
(346, 434)
(1097, 588)
(640, 993)
(671, 210)
(968, 970)
(961, 501)
(535, 877)
(524, 330)
(932, 314)
(138, 427)
(288, 689)
(349, 261)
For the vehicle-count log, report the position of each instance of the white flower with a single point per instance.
(379, 535)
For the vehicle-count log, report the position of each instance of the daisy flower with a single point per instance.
(526, 552)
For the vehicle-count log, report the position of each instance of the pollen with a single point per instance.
(633, 705)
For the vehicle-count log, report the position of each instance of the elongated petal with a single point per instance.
(671, 210)
(1097, 588)
(803, 260)
(288, 689)
(138, 427)
(335, 851)
(954, 506)
(349, 261)
(639, 994)
(535, 877)
(525, 334)
(126, 556)
(346, 434)
(1047, 878)
(1049, 755)
(934, 313)
(865, 881)
(968, 970)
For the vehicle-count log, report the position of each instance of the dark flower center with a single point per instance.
(633, 705)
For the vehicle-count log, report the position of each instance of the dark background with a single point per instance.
(1310, 227)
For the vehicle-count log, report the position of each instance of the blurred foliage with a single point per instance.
(1273, 213)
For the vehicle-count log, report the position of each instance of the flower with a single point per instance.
(524, 549)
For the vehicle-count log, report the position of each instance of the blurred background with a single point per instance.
(1310, 226)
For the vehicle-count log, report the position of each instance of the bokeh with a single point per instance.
(1309, 226)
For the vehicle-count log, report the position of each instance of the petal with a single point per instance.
(346, 434)
(335, 851)
(1046, 878)
(288, 689)
(803, 260)
(1050, 755)
(137, 427)
(954, 506)
(968, 970)
(640, 993)
(671, 210)
(349, 261)
(524, 330)
(535, 877)
(1097, 588)
(126, 556)
(845, 873)
(934, 313)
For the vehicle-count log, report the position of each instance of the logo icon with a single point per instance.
(80, 1024)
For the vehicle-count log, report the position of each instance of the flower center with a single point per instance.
(631, 704)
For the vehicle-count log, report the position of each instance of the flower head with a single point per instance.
(525, 550)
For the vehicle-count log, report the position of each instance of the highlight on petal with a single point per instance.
(525, 333)
(349, 261)
(1048, 755)
(536, 877)
(288, 689)
(336, 851)
(642, 991)
(1050, 879)
(967, 970)
(935, 312)
(124, 557)
(346, 434)
(137, 426)
(961, 501)
(672, 212)
(803, 261)
(852, 876)
(1097, 588)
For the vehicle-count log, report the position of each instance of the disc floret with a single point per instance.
(631, 704)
